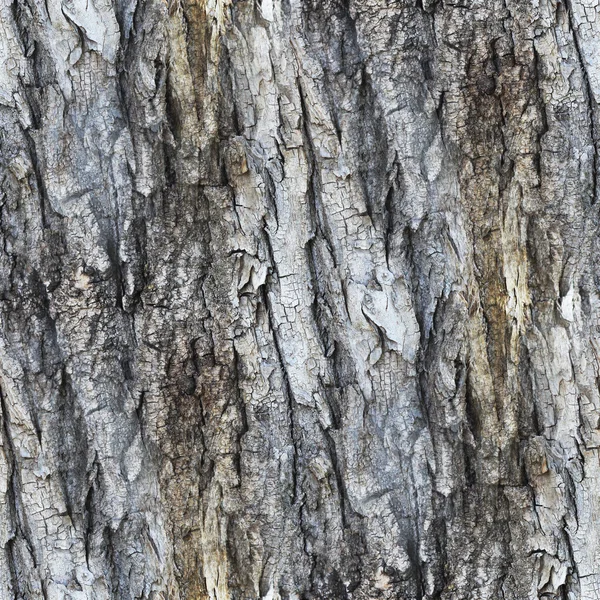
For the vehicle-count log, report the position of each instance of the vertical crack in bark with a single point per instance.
(287, 389)
(244, 417)
(589, 97)
(379, 518)
(314, 187)
(543, 113)
(14, 489)
(8, 447)
(40, 185)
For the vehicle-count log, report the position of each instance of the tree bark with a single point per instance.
(299, 299)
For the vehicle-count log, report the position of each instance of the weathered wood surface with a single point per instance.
(299, 299)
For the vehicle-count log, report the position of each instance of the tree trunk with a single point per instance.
(299, 299)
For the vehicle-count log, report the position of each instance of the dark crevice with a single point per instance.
(573, 569)
(474, 425)
(341, 486)
(543, 114)
(287, 388)
(39, 180)
(319, 300)
(89, 522)
(589, 97)
(11, 493)
(313, 188)
(14, 485)
(236, 371)
(389, 223)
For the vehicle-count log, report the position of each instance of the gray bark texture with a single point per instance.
(299, 299)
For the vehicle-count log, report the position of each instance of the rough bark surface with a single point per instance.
(299, 299)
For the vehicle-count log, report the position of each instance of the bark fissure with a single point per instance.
(589, 97)
(298, 300)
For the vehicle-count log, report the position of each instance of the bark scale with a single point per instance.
(299, 299)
